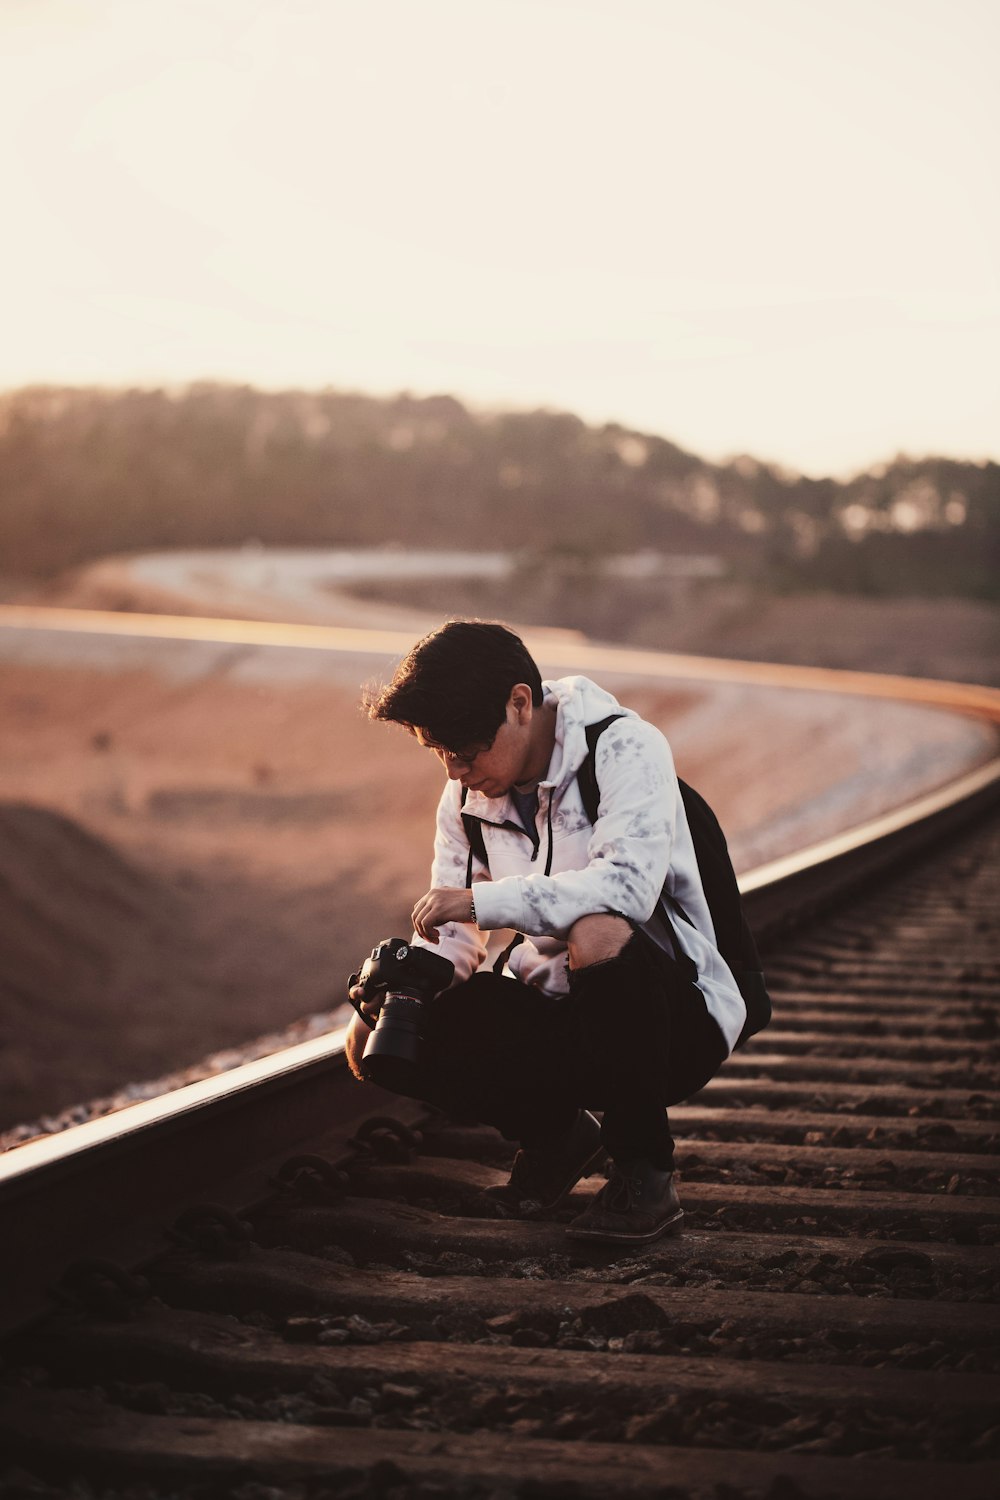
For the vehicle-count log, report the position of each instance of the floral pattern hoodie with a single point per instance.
(639, 843)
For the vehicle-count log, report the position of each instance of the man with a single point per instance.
(612, 1006)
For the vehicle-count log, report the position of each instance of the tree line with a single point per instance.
(89, 472)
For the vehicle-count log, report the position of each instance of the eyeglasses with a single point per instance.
(461, 757)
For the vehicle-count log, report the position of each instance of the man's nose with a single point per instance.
(454, 767)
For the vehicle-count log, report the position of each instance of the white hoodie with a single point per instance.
(640, 842)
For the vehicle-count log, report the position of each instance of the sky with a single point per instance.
(751, 226)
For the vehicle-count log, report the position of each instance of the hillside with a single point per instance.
(85, 473)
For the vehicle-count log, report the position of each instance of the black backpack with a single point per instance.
(733, 937)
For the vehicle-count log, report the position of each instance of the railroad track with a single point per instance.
(336, 1310)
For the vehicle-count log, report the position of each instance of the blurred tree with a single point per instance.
(89, 472)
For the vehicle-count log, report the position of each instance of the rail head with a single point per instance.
(135, 1123)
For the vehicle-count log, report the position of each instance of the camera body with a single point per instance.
(406, 977)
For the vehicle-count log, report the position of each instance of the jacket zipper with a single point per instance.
(516, 828)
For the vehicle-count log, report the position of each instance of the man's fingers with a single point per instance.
(438, 906)
(423, 917)
(422, 922)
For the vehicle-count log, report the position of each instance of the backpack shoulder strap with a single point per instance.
(586, 776)
(474, 834)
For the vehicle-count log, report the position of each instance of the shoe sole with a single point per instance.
(610, 1237)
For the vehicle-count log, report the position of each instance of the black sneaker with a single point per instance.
(639, 1203)
(543, 1176)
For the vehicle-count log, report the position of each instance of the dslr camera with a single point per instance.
(397, 981)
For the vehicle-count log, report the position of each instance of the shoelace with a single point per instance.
(623, 1192)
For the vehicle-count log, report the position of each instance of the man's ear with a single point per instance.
(520, 701)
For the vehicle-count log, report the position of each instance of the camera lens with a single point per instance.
(393, 1048)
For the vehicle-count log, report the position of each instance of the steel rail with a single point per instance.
(108, 1186)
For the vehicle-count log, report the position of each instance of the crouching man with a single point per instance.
(613, 1006)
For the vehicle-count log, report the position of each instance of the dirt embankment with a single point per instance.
(192, 858)
(955, 640)
(94, 946)
(185, 865)
(189, 860)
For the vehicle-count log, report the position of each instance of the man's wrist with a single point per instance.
(472, 908)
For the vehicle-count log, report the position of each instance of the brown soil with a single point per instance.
(184, 866)
(198, 850)
(955, 640)
(191, 858)
(187, 865)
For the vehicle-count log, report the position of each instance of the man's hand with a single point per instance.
(439, 905)
(354, 1045)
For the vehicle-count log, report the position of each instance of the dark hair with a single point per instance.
(455, 683)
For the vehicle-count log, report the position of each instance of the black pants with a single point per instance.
(631, 1037)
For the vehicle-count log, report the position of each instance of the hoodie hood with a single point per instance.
(579, 702)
